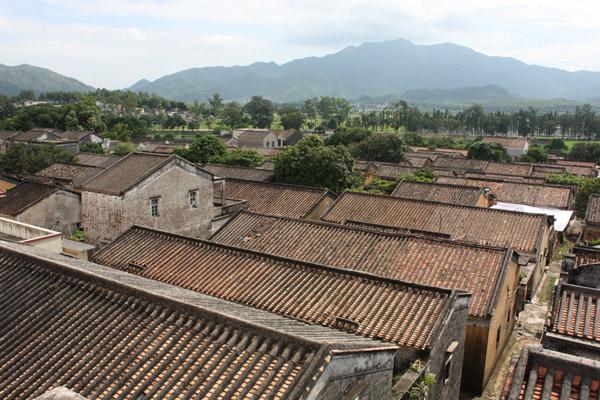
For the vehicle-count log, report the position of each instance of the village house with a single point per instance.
(160, 191)
(515, 146)
(277, 198)
(527, 234)
(545, 374)
(591, 229)
(48, 206)
(77, 330)
(82, 137)
(446, 193)
(265, 138)
(97, 160)
(6, 139)
(47, 136)
(426, 323)
(490, 274)
(237, 172)
(73, 175)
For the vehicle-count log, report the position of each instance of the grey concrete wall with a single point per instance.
(61, 211)
(372, 370)
(102, 217)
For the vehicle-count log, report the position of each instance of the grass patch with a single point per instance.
(546, 294)
(564, 248)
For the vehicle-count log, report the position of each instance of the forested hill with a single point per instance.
(27, 77)
(377, 69)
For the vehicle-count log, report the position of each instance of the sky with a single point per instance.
(114, 43)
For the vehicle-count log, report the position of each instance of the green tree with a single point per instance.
(385, 147)
(535, 154)
(311, 163)
(347, 136)
(260, 111)
(585, 152)
(124, 148)
(488, 151)
(586, 186)
(292, 120)
(243, 158)
(216, 104)
(203, 149)
(233, 115)
(27, 158)
(91, 147)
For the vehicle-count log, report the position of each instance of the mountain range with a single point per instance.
(395, 69)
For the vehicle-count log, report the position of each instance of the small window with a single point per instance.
(154, 207)
(192, 196)
(498, 336)
(447, 368)
(279, 142)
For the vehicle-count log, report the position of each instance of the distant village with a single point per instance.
(151, 275)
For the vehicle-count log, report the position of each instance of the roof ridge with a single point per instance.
(485, 209)
(370, 231)
(312, 188)
(407, 181)
(288, 260)
(555, 185)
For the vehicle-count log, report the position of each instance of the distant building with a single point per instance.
(48, 206)
(237, 172)
(6, 139)
(591, 230)
(265, 138)
(515, 146)
(97, 160)
(82, 137)
(160, 191)
(49, 136)
(73, 175)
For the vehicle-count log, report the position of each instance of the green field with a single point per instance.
(570, 143)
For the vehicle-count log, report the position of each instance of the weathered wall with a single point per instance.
(455, 330)
(61, 211)
(591, 232)
(320, 209)
(576, 347)
(368, 372)
(172, 184)
(102, 217)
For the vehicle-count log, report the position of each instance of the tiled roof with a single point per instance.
(587, 164)
(35, 133)
(457, 163)
(508, 178)
(592, 213)
(544, 171)
(97, 160)
(75, 173)
(517, 230)
(453, 194)
(231, 171)
(575, 312)
(254, 134)
(107, 334)
(541, 374)
(475, 269)
(23, 196)
(4, 135)
(515, 142)
(391, 171)
(518, 169)
(274, 198)
(581, 170)
(126, 173)
(74, 135)
(370, 306)
(416, 161)
(586, 255)
(553, 196)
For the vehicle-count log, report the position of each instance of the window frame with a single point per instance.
(193, 200)
(154, 210)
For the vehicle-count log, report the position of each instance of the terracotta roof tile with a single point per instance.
(507, 141)
(592, 213)
(35, 133)
(553, 196)
(518, 169)
(541, 374)
(586, 255)
(5, 135)
(456, 163)
(370, 306)
(475, 269)
(274, 198)
(575, 312)
(508, 178)
(520, 231)
(97, 160)
(126, 173)
(107, 334)
(231, 171)
(76, 173)
(442, 192)
(23, 196)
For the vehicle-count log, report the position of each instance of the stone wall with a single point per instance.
(61, 211)
(102, 217)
